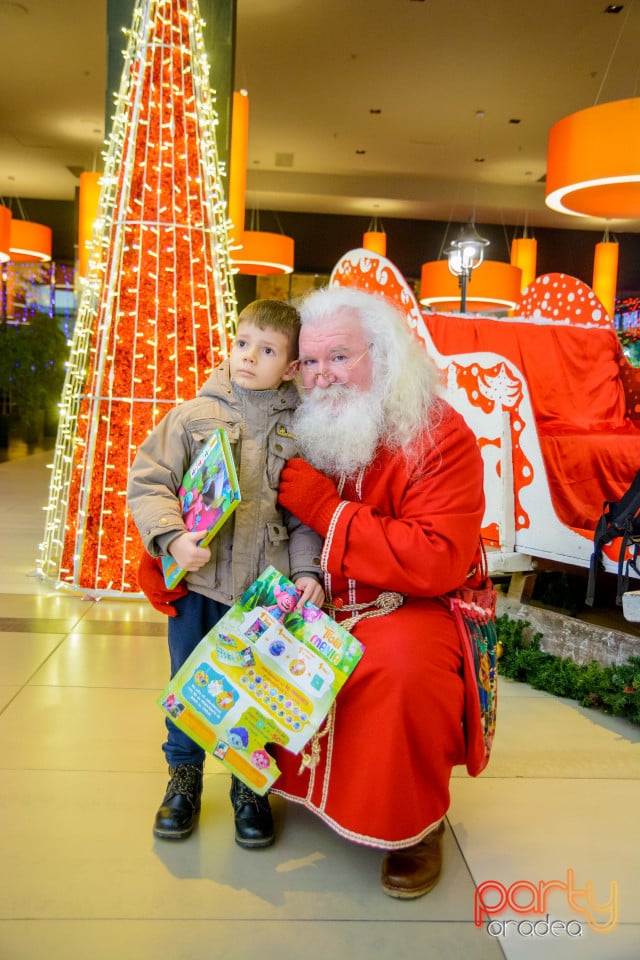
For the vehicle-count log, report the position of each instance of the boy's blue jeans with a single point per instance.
(196, 616)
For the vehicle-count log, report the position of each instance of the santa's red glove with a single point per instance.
(308, 494)
(151, 582)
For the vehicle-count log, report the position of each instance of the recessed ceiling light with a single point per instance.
(514, 120)
(375, 110)
(614, 8)
(360, 152)
(479, 159)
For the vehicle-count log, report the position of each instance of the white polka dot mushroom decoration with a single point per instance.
(559, 297)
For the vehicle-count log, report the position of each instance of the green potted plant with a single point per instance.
(32, 357)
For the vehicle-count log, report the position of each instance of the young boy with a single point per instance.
(251, 395)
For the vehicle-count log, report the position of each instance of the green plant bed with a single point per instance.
(613, 689)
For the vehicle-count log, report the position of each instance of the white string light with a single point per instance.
(158, 306)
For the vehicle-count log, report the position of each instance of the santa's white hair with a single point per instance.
(404, 401)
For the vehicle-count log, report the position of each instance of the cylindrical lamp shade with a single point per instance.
(593, 162)
(5, 233)
(264, 253)
(493, 287)
(88, 200)
(605, 275)
(30, 241)
(524, 253)
(238, 163)
(376, 241)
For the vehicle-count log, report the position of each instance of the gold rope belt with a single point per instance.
(384, 603)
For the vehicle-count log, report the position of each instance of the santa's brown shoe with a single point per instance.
(412, 872)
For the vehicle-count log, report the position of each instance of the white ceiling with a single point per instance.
(447, 77)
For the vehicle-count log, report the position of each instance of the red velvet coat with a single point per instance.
(384, 769)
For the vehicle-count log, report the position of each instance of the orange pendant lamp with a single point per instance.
(30, 242)
(88, 200)
(593, 162)
(605, 274)
(238, 163)
(524, 253)
(253, 252)
(493, 287)
(5, 233)
(264, 253)
(375, 238)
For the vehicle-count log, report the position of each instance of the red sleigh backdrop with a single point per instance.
(551, 398)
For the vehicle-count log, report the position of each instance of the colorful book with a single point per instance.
(209, 494)
(265, 673)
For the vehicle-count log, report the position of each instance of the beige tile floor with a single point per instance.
(81, 774)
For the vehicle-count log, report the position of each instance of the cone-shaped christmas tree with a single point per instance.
(158, 305)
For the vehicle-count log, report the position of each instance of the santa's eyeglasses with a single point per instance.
(334, 369)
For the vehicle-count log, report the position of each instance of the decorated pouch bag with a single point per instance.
(474, 611)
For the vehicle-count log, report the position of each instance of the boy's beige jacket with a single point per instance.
(259, 532)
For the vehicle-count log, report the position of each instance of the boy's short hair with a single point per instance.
(274, 315)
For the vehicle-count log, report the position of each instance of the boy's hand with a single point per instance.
(186, 552)
(310, 590)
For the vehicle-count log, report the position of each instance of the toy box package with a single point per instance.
(209, 494)
(266, 673)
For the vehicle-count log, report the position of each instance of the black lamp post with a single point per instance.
(464, 256)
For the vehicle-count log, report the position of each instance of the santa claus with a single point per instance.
(392, 479)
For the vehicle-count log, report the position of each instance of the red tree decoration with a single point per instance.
(158, 306)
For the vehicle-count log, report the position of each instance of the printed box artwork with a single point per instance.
(265, 673)
(209, 494)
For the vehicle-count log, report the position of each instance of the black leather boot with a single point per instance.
(254, 823)
(176, 817)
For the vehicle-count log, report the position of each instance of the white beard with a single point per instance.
(339, 428)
